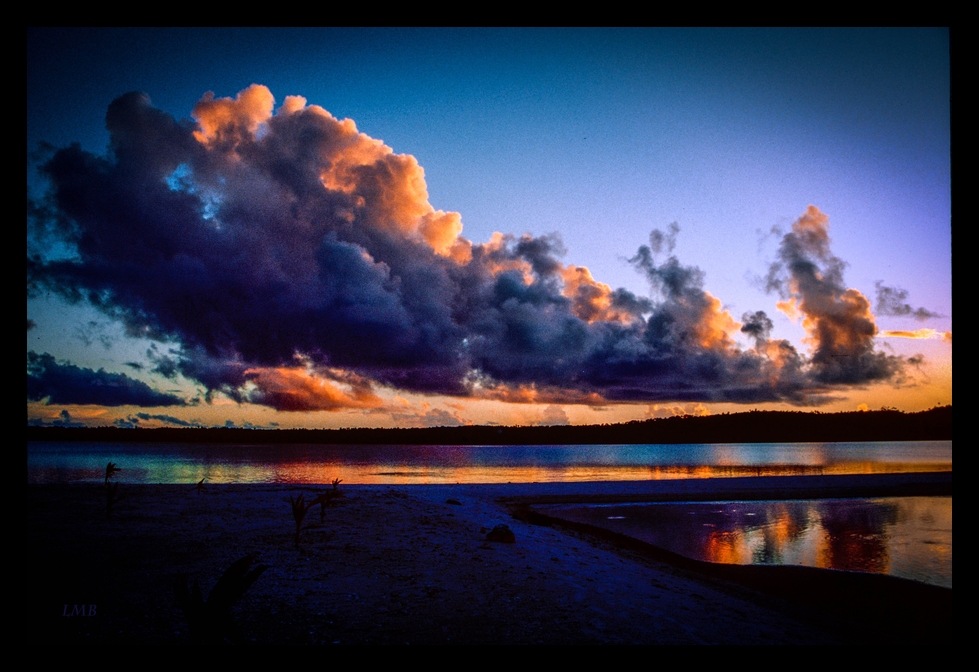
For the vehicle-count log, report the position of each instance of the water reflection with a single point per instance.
(904, 536)
(188, 463)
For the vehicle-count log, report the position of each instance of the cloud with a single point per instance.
(840, 325)
(917, 333)
(65, 383)
(84, 417)
(288, 259)
(893, 301)
(293, 389)
(91, 332)
(658, 411)
(554, 416)
(169, 419)
(428, 417)
(132, 421)
(756, 325)
(65, 420)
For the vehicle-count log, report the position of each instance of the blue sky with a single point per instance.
(598, 135)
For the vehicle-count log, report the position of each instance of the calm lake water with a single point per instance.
(910, 537)
(52, 462)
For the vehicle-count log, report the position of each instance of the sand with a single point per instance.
(402, 565)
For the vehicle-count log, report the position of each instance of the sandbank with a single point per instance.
(404, 565)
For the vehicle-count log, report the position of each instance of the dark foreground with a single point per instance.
(395, 565)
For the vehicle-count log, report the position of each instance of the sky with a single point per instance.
(423, 227)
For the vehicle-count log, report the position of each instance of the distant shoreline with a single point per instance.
(750, 427)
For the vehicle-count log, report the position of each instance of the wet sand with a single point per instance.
(403, 564)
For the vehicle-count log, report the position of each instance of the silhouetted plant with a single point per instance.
(110, 471)
(112, 496)
(299, 509)
(210, 620)
(327, 498)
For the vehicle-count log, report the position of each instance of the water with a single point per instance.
(53, 462)
(910, 537)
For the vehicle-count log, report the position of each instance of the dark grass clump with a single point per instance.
(210, 620)
(299, 510)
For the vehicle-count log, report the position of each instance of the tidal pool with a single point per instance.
(910, 537)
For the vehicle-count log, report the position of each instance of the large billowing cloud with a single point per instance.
(292, 261)
(840, 325)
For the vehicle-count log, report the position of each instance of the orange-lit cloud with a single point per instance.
(389, 188)
(554, 416)
(668, 411)
(790, 307)
(496, 258)
(297, 389)
(592, 301)
(715, 325)
(839, 325)
(532, 394)
(228, 122)
(428, 416)
(917, 333)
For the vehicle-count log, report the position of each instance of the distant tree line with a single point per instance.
(749, 427)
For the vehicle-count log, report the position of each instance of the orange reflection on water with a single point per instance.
(731, 540)
(909, 537)
(727, 548)
(324, 471)
(674, 472)
(391, 474)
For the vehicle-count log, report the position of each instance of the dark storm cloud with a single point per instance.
(65, 420)
(133, 421)
(893, 301)
(169, 419)
(289, 260)
(757, 325)
(64, 383)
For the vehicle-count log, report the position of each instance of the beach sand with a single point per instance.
(402, 565)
